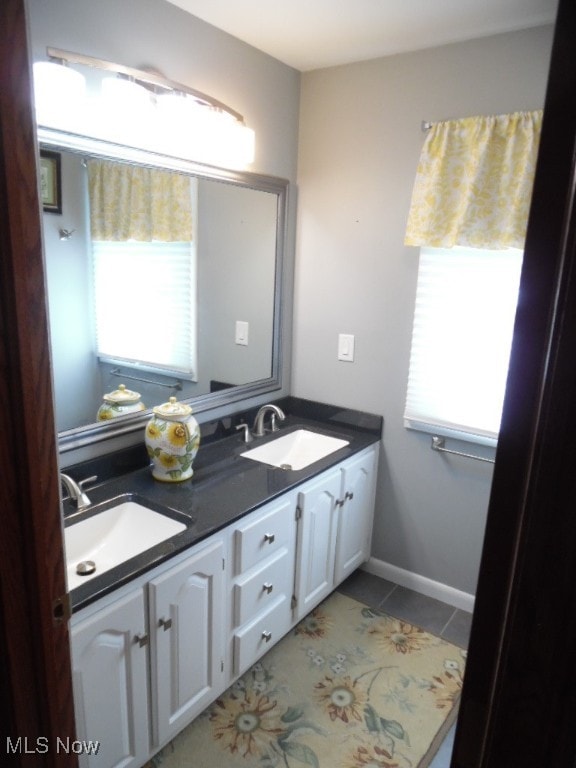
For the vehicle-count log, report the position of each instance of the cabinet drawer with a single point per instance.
(255, 638)
(264, 536)
(257, 591)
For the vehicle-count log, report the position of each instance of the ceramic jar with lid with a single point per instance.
(119, 403)
(172, 439)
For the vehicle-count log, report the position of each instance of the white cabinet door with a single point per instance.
(317, 540)
(355, 514)
(109, 668)
(187, 628)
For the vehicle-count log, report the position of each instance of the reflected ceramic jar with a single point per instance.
(119, 403)
(172, 439)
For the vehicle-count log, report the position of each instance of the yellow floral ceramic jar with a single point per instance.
(172, 440)
(119, 403)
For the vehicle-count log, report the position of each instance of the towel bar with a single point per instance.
(438, 445)
(176, 385)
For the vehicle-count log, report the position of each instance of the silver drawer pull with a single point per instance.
(266, 636)
(142, 640)
(348, 495)
(165, 623)
(269, 537)
(267, 587)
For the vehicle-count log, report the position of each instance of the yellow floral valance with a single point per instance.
(129, 202)
(474, 182)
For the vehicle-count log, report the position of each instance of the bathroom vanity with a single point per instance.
(163, 621)
(158, 638)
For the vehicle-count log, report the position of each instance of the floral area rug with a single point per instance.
(349, 687)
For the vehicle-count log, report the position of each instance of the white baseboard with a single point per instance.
(421, 584)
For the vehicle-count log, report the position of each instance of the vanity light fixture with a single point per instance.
(60, 92)
(121, 92)
(170, 117)
(125, 110)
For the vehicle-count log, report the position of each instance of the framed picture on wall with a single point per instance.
(50, 181)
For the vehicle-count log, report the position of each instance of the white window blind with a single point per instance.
(145, 305)
(463, 323)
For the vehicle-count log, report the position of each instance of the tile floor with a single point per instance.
(432, 615)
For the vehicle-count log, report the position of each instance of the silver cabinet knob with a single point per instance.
(269, 537)
(165, 624)
(142, 640)
(267, 587)
(266, 636)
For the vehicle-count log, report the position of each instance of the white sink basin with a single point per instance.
(295, 450)
(113, 536)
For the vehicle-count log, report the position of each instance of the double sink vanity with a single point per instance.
(178, 588)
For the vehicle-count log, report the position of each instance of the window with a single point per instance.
(145, 305)
(465, 306)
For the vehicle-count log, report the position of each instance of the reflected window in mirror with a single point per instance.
(142, 225)
(145, 306)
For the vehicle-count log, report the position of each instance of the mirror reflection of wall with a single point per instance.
(236, 257)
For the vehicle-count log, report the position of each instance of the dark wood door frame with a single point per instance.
(518, 706)
(36, 706)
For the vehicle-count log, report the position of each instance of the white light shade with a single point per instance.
(177, 121)
(177, 106)
(59, 94)
(203, 133)
(125, 111)
(244, 141)
(125, 94)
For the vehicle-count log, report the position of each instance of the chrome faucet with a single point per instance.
(259, 430)
(247, 436)
(75, 490)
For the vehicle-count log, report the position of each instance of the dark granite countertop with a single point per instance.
(225, 485)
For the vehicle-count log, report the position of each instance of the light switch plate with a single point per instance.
(242, 332)
(346, 347)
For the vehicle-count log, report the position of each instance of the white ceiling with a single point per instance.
(311, 34)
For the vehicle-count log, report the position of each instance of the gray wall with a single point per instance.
(360, 140)
(77, 378)
(236, 246)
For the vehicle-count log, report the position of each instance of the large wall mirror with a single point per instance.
(200, 315)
